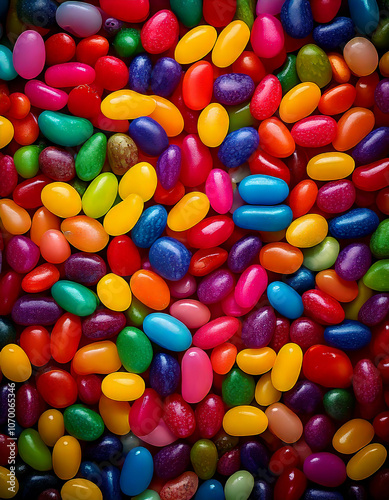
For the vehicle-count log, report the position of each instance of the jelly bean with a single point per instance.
(334, 34)
(165, 76)
(14, 363)
(76, 488)
(259, 327)
(79, 19)
(322, 307)
(29, 54)
(191, 312)
(301, 280)
(51, 426)
(285, 424)
(168, 116)
(22, 254)
(179, 416)
(7, 131)
(195, 389)
(275, 138)
(134, 341)
(65, 338)
(373, 147)
(349, 335)
(115, 415)
(137, 471)
(143, 282)
(337, 196)
(127, 105)
(305, 397)
(20, 106)
(266, 98)
(175, 252)
(239, 485)
(197, 97)
(196, 161)
(9, 174)
(30, 310)
(164, 374)
(316, 131)
(263, 190)
(243, 252)
(318, 432)
(121, 10)
(111, 73)
(219, 191)
(7, 70)
(233, 88)
(123, 386)
(140, 74)
(263, 218)
(289, 355)
(312, 65)
(160, 32)
(140, 179)
(339, 404)
(35, 342)
(64, 130)
(245, 421)
(353, 435)
(149, 136)
(115, 223)
(126, 42)
(146, 413)
(26, 161)
(334, 467)
(195, 44)
(288, 75)
(380, 95)
(60, 48)
(114, 292)
(296, 18)
(378, 242)
(215, 286)
(213, 125)
(10, 289)
(354, 125)
(355, 224)
(230, 44)
(69, 75)
(366, 462)
(122, 153)
(190, 210)
(168, 332)
(54, 247)
(210, 232)
(251, 284)
(267, 36)
(54, 396)
(183, 487)
(178, 455)
(367, 382)
(330, 166)
(337, 100)
(373, 311)
(256, 361)
(353, 261)
(34, 451)
(371, 177)
(281, 258)
(327, 366)
(215, 332)
(204, 458)
(74, 298)
(238, 388)
(307, 231)
(66, 457)
(365, 15)
(100, 195)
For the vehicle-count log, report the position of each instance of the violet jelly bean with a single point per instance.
(254, 457)
(169, 166)
(215, 287)
(32, 310)
(305, 397)
(381, 95)
(85, 268)
(375, 146)
(172, 460)
(103, 324)
(374, 310)
(233, 88)
(243, 252)
(353, 261)
(318, 432)
(259, 327)
(165, 77)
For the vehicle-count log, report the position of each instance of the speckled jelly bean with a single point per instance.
(367, 382)
(336, 196)
(312, 65)
(354, 224)
(353, 261)
(296, 18)
(238, 146)
(243, 252)
(233, 88)
(349, 335)
(374, 310)
(164, 374)
(215, 286)
(259, 328)
(339, 31)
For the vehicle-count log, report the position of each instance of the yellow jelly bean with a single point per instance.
(14, 363)
(80, 489)
(330, 166)
(6, 132)
(15, 219)
(195, 44)
(287, 367)
(168, 116)
(351, 309)
(352, 436)
(191, 209)
(307, 231)
(366, 462)
(265, 392)
(100, 195)
(51, 426)
(66, 457)
(213, 125)
(256, 361)
(123, 216)
(9, 484)
(114, 292)
(123, 386)
(141, 179)
(115, 415)
(299, 102)
(97, 357)
(231, 43)
(127, 105)
(244, 421)
(61, 199)
(284, 423)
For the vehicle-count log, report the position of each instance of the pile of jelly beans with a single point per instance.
(194, 249)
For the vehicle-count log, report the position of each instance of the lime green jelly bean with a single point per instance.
(33, 450)
(313, 65)
(377, 277)
(323, 255)
(26, 161)
(91, 157)
(83, 423)
(240, 116)
(379, 243)
(74, 298)
(100, 195)
(137, 312)
(204, 457)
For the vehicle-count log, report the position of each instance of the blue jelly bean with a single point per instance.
(169, 166)
(373, 147)
(296, 18)
(254, 457)
(348, 335)
(365, 14)
(263, 190)
(7, 70)
(150, 226)
(334, 34)
(261, 491)
(148, 135)
(110, 482)
(238, 146)
(168, 332)
(90, 470)
(285, 300)
(164, 374)
(165, 77)
(354, 224)
(39, 13)
(169, 258)
(233, 88)
(263, 218)
(35, 483)
(210, 490)
(104, 448)
(301, 281)
(137, 471)
(315, 494)
(140, 73)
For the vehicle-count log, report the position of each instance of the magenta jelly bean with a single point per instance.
(266, 98)
(29, 405)
(229, 462)
(160, 32)
(179, 416)
(196, 161)
(69, 74)
(45, 97)
(191, 312)
(325, 469)
(195, 388)
(183, 288)
(172, 461)
(336, 196)
(169, 167)
(216, 332)
(232, 308)
(103, 324)
(314, 131)
(146, 412)
(267, 36)
(353, 261)
(215, 286)
(22, 254)
(8, 175)
(218, 188)
(305, 332)
(243, 252)
(318, 432)
(209, 415)
(251, 285)
(210, 232)
(367, 382)
(29, 54)
(374, 310)
(259, 327)
(57, 164)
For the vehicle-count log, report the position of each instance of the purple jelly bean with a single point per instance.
(172, 460)
(373, 147)
(57, 164)
(112, 26)
(85, 268)
(353, 261)
(103, 324)
(32, 310)
(165, 77)
(229, 462)
(28, 405)
(381, 95)
(254, 457)
(233, 88)
(318, 432)
(336, 196)
(215, 287)
(325, 468)
(169, 166)
(243, 252)
(22, 254)
(374, 310)
(367, 382)
(305, 397)
(259, 327)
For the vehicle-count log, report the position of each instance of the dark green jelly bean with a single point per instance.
(135, 350)
(288, 76)
(204, 457)
(91, 157)
(245, 12)
(240, 116)
(127, 42)
(379, 243)
(238, 388)
(33, 450)
(7, 332)
(79, 185)
(189, 12)
(137, 312)
(26, 161)
(83, 423)
(380, 37)
(339, 404)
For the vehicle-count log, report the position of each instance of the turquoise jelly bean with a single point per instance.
(64, 130)
(7, 70)
(263, 190)
(168, 332)
(365, 15)
(210, 490)
(74, 298)
(263, 218)
(285, 300)
(137, 471)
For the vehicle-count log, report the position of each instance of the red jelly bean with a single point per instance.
(382, 201)
(281, 334)
(40, 279)
(8, 176)
(210, 232)
(282, 459)
(10, 287)
(130, 12)
(20, 106)
(146, 412)
(35, 342)
(206, 260)
(209, 416)
(58, 388)
(297, 166)
(217, 14)
(28, 193)
(65, 337)
(111, 73)
(60, 48)
(89, 388)
(383, 367)
(380, 341)
(275, 138)
(303, 197)
(263, 163)
(28, 405)
(365, 88)
(322, 307)
(372, 177)
(249, 63)
(26, 130)
(160, 32)
(290, 485)
(324, 11)
(367, 382)
(196, 161)
(179, 416)
(381, 425)
(197, 85)
(169, 196)
(266, 98)
(90, 49)
(327, 366)
(123, 256)
(314, 131)
(190, 116)
(84, 101)
(337, 100)
(223, 358)
(216, 332)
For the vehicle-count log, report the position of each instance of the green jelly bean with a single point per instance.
(127, 42)
(203, 456)
(64, 130)
(79, 185)
(137, 311)
(240, 116)
(379, 243)
(377, 277)
(380, 37)
(74, 297)
(7, 332)
(239, 485)
(26, 161)
(189, 12)
(33, 450)
(7, 70)
(323, 255)
(288, 76)
(83, 423)
(135, 350)
(238, 388)
(339, 404)
(313, 65)
(91, 157)
(224, 442)
(100, 195)
(245, 12)
(147, 495)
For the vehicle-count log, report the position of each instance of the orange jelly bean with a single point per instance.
(115, 415)
(150, 289)
(168, 116)
(223, 358)
(303, 197)
(275, 138)
(15, 219)
(281, 258)
(284, 423)
(42, 221)
(98, 357)
(340, 71)
(343, 291)
(84, 233)
(354, 125)
(384, 65)
(338, 99)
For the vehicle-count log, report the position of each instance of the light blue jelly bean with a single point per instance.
(168, 332)
(354, 224)
(348, 335)
(238, 146)
(137, 471)
(150, 226)
(296, 18)
(169, 258)
(64, 130)
(140, 73)
(148, 135)
(301, 281)
(263, 218)
(7, 70)
(210, 490)
(285, 300)
(263, 190)
(365, 14)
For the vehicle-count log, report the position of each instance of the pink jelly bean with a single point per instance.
(218, 188)
(216, 332)
(146, 412)
(69, 74)
(267, 36)
(269, 7)
(183, 288)
(194, 363)
(44, 97)
(29, 54)
(232, 308)
(314, 131)
(336, 196)
(266, 98)
(251, 285)
(367, 382)
(160, 436)
(191, 312)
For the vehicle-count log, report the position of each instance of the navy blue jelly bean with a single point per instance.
(254, 457)
(296, 18)
(302, 280)
(263, 218)
(110, 485)
(140, 73)
(334, 34)
(104, 448)
(233, 88)
(349, 335)
(375, 146)
(261, 491)
(169, 258)
(90, 470)
(40, 13)
(150, 226)
(148, 135)
(164, 374)
(354, 224)
(165, 77)
(238, 146)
